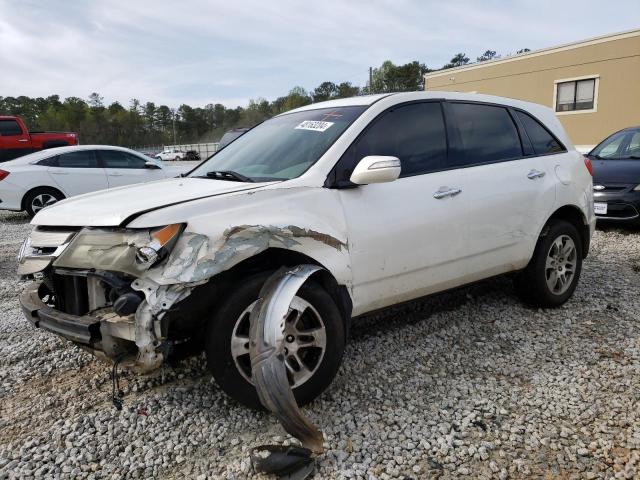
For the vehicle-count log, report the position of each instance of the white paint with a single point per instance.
(401, 241)
(25, 174)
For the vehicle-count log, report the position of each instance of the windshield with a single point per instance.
(623, 145)
(283, 147)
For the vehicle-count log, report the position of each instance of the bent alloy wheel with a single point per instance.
(305, 339)
(553, 272)
(314, 340)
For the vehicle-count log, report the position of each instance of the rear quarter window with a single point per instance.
(542, 140)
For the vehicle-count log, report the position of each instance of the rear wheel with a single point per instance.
(40, 198)
(314, 342)
(554, 270)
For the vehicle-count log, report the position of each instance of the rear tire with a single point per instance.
(552, 275)
(37, 199)
(222, 328)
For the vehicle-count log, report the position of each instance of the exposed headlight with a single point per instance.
(127, 251)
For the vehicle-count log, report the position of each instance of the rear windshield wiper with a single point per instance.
(228, 175)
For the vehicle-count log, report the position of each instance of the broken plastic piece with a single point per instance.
(293, 463)
(266, 350)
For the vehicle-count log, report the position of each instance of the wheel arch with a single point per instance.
(23, 203)
(216, 288)
(575, 216)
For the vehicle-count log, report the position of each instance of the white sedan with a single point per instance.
(170, 155)
(35, 181)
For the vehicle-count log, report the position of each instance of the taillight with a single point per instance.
(3, 174)
(588, 164)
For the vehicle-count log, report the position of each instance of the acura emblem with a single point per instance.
(598, 187)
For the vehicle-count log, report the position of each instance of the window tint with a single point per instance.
(9, 128)
(542, 141)
(49, 162)
(487, 134)
(81, 159)
(118, 159)
(414, 133)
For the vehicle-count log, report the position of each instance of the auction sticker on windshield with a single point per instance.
(315, 125)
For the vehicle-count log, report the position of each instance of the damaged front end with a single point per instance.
(88, 289)
(114, 291)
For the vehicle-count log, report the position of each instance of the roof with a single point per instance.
(363, 100)
(535, 53)
(50, 152)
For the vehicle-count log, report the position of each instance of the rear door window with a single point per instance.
(80, 159)
(543, 142)
(414, 133)
(487, 134)
(9, 128)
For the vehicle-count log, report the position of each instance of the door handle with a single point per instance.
(533, 174)
(59, 173)
(447, 192)
(23, 140)
(115, 174)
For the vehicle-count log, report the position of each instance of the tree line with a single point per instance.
(139, 124)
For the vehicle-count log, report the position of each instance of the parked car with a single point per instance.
(41, 179)
(192, 155)
(170, 154)
(616, 176)
(16, 140)
(395, 196)
(230, 136)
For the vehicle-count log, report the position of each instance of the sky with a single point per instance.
(209, 51)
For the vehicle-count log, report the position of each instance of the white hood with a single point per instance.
(109, 208)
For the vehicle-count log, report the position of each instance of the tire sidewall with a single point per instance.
(555, 230)
(39, 191)
(221, 325)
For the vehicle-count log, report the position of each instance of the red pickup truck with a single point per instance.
(16, 140)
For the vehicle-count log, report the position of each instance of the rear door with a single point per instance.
(78, 172)
(509, 190)
(14, 142)
(124, 168)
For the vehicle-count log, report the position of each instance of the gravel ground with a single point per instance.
(467, 384)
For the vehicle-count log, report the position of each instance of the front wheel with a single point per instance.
(314, 340)
(554, 270)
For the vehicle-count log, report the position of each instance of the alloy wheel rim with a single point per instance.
(305, 342)
(41, 201)
(560, 266)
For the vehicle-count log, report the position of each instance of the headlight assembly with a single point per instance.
(127, 251)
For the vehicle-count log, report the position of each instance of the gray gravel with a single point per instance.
(468, 384)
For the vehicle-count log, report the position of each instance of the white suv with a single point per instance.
(170, 154)
(394, 196)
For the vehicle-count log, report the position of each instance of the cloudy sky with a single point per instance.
(204, 51)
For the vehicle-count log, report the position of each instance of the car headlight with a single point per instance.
(637, 188)
(127, 251)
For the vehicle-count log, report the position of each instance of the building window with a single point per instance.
(576, 95)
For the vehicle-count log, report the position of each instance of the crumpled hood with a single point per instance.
(110, 208)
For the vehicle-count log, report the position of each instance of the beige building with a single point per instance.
(593, 85)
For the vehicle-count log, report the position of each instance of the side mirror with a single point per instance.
(151, 165)
(376, 169)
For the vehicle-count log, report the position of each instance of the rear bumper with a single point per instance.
(84, 329)
(621, 207)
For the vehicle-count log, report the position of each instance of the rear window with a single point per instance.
(81, 159)
(9, 128)
(487, 134)
(543, 142)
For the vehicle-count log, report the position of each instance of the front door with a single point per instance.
(404, 242)
(13, 141)
(124, 168)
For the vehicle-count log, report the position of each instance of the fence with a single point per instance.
(205, 150)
